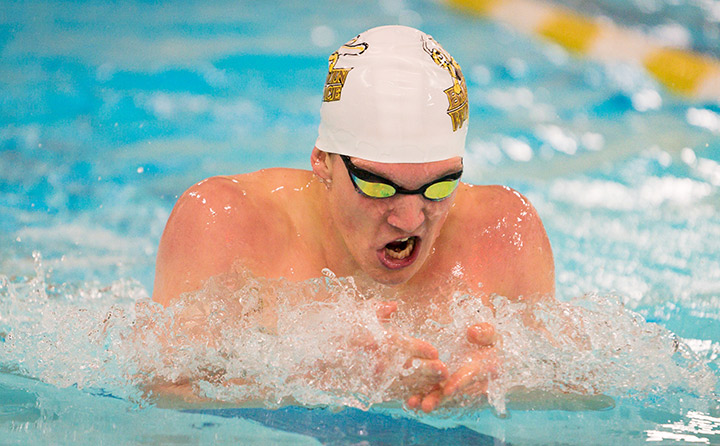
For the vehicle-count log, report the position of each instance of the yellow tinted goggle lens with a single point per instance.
(375, 190)
(440, 190)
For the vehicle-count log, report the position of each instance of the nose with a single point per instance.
(407, 213)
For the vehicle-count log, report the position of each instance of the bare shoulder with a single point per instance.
(214, 223)
(504, 240)
(214, 202)
(246, 202)
(497, 204)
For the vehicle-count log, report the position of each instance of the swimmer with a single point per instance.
(383, 204)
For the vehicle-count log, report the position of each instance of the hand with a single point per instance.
(480, 366)
(427, 369)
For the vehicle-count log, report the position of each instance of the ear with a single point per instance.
(321, 164)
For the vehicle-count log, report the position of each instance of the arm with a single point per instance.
(529, 254)
(510, 253)
(208, 229)
(203, 237)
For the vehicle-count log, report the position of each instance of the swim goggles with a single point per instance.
(374, 186)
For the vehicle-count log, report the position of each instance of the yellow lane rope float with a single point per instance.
(681, 71)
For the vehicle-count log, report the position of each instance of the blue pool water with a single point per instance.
(109, 112)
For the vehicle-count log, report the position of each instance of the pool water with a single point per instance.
(109, 112)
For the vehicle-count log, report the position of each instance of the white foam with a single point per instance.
(327, 346)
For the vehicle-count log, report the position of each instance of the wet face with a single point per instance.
(389, 239)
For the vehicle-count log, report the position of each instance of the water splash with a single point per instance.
(68, 335)
(243, 338)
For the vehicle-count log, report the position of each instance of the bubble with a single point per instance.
(558, 138)
(593, 141)
(646, 99)
(704, 118)
(517, 150)
(323, 36)
(517, 68)
(688, 156)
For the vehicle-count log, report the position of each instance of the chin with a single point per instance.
(393, 278)
(394, 281)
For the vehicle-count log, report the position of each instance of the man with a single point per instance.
(382, 204)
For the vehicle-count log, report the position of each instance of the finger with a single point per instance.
(477, 388)
(431, 401)
(428, 369)
(482, 334)
(461, 379)
(483, 365)
(414, 402)
(385, 311)
(413, 346)
(419, 348)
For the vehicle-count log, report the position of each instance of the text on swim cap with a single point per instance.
(337, 76)
(457, 94)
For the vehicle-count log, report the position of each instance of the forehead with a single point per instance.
(411, 173)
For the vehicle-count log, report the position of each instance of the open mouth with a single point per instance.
(399, 253)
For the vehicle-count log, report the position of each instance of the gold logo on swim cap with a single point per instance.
(336, 76)
(457, 94)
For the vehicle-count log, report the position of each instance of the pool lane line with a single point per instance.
(684, 72)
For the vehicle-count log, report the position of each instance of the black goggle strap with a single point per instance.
(364, 174)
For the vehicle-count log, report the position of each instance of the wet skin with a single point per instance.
(489, 238)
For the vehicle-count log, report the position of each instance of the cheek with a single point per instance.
(439, 210)
(360, 211)
(350, 211)
(437, 213)
(367, 215)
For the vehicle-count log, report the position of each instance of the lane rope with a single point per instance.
(681, 71)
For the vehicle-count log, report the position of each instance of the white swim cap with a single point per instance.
(394, 95)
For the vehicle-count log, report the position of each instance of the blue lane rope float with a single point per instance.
(681, 71)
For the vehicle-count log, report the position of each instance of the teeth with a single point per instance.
(399, 255)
